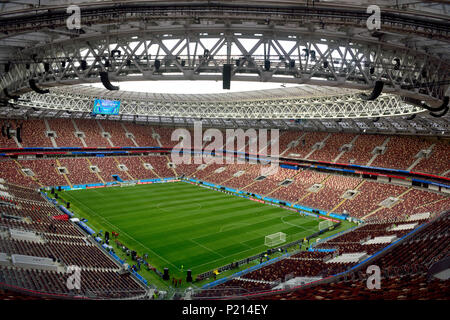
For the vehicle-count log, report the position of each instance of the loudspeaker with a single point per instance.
(438, 115)
(267, 65)
(46, 66)
(375, 92)
(292, 63)
(425, 106)
(157, 64)
(83, 65)
(19, 134)
(397, 63)
(5, 91)
(189, 276)
(104, 77)
(35, 88)
(226, 76)
(166, 274)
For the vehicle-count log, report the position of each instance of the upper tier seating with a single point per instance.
(5, 142)
(362, 149)
(92, 132)
(400, 152)
(287, 137)
(33, 134)
(65, 133)
(331, 149)
(142, 134)
(165, 134)
(438, 162)
(310, 139)
(118, 134)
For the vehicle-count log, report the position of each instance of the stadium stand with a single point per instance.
(438, 162)
(362, 149)
(46, 171)
(404, 271)
(141, 134)
(400, 152)
(117, 133)
(332, 147)
(34, 134)
(79, 172)
(65, 133)
(307, 142)
(359, 103)
(92, 134)
(62, 242)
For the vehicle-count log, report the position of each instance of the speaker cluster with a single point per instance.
(8, 133)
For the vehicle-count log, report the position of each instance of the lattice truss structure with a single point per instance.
(318, 46)
(336, 106)
(201, 55)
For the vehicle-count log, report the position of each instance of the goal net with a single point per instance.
(275, 239)
(325, 224)
(127, 184)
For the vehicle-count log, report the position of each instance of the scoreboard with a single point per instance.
(106, 107)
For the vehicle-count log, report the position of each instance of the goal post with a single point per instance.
(325, 224)
(128, 184)
(275, 239)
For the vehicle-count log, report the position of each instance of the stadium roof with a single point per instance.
(325, 47)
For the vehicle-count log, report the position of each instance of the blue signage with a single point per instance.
(106, 107)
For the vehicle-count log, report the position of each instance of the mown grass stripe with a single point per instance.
(182, 224)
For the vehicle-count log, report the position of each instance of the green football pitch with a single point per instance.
(180, 224)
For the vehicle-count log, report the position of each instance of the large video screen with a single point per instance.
(106, 107)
